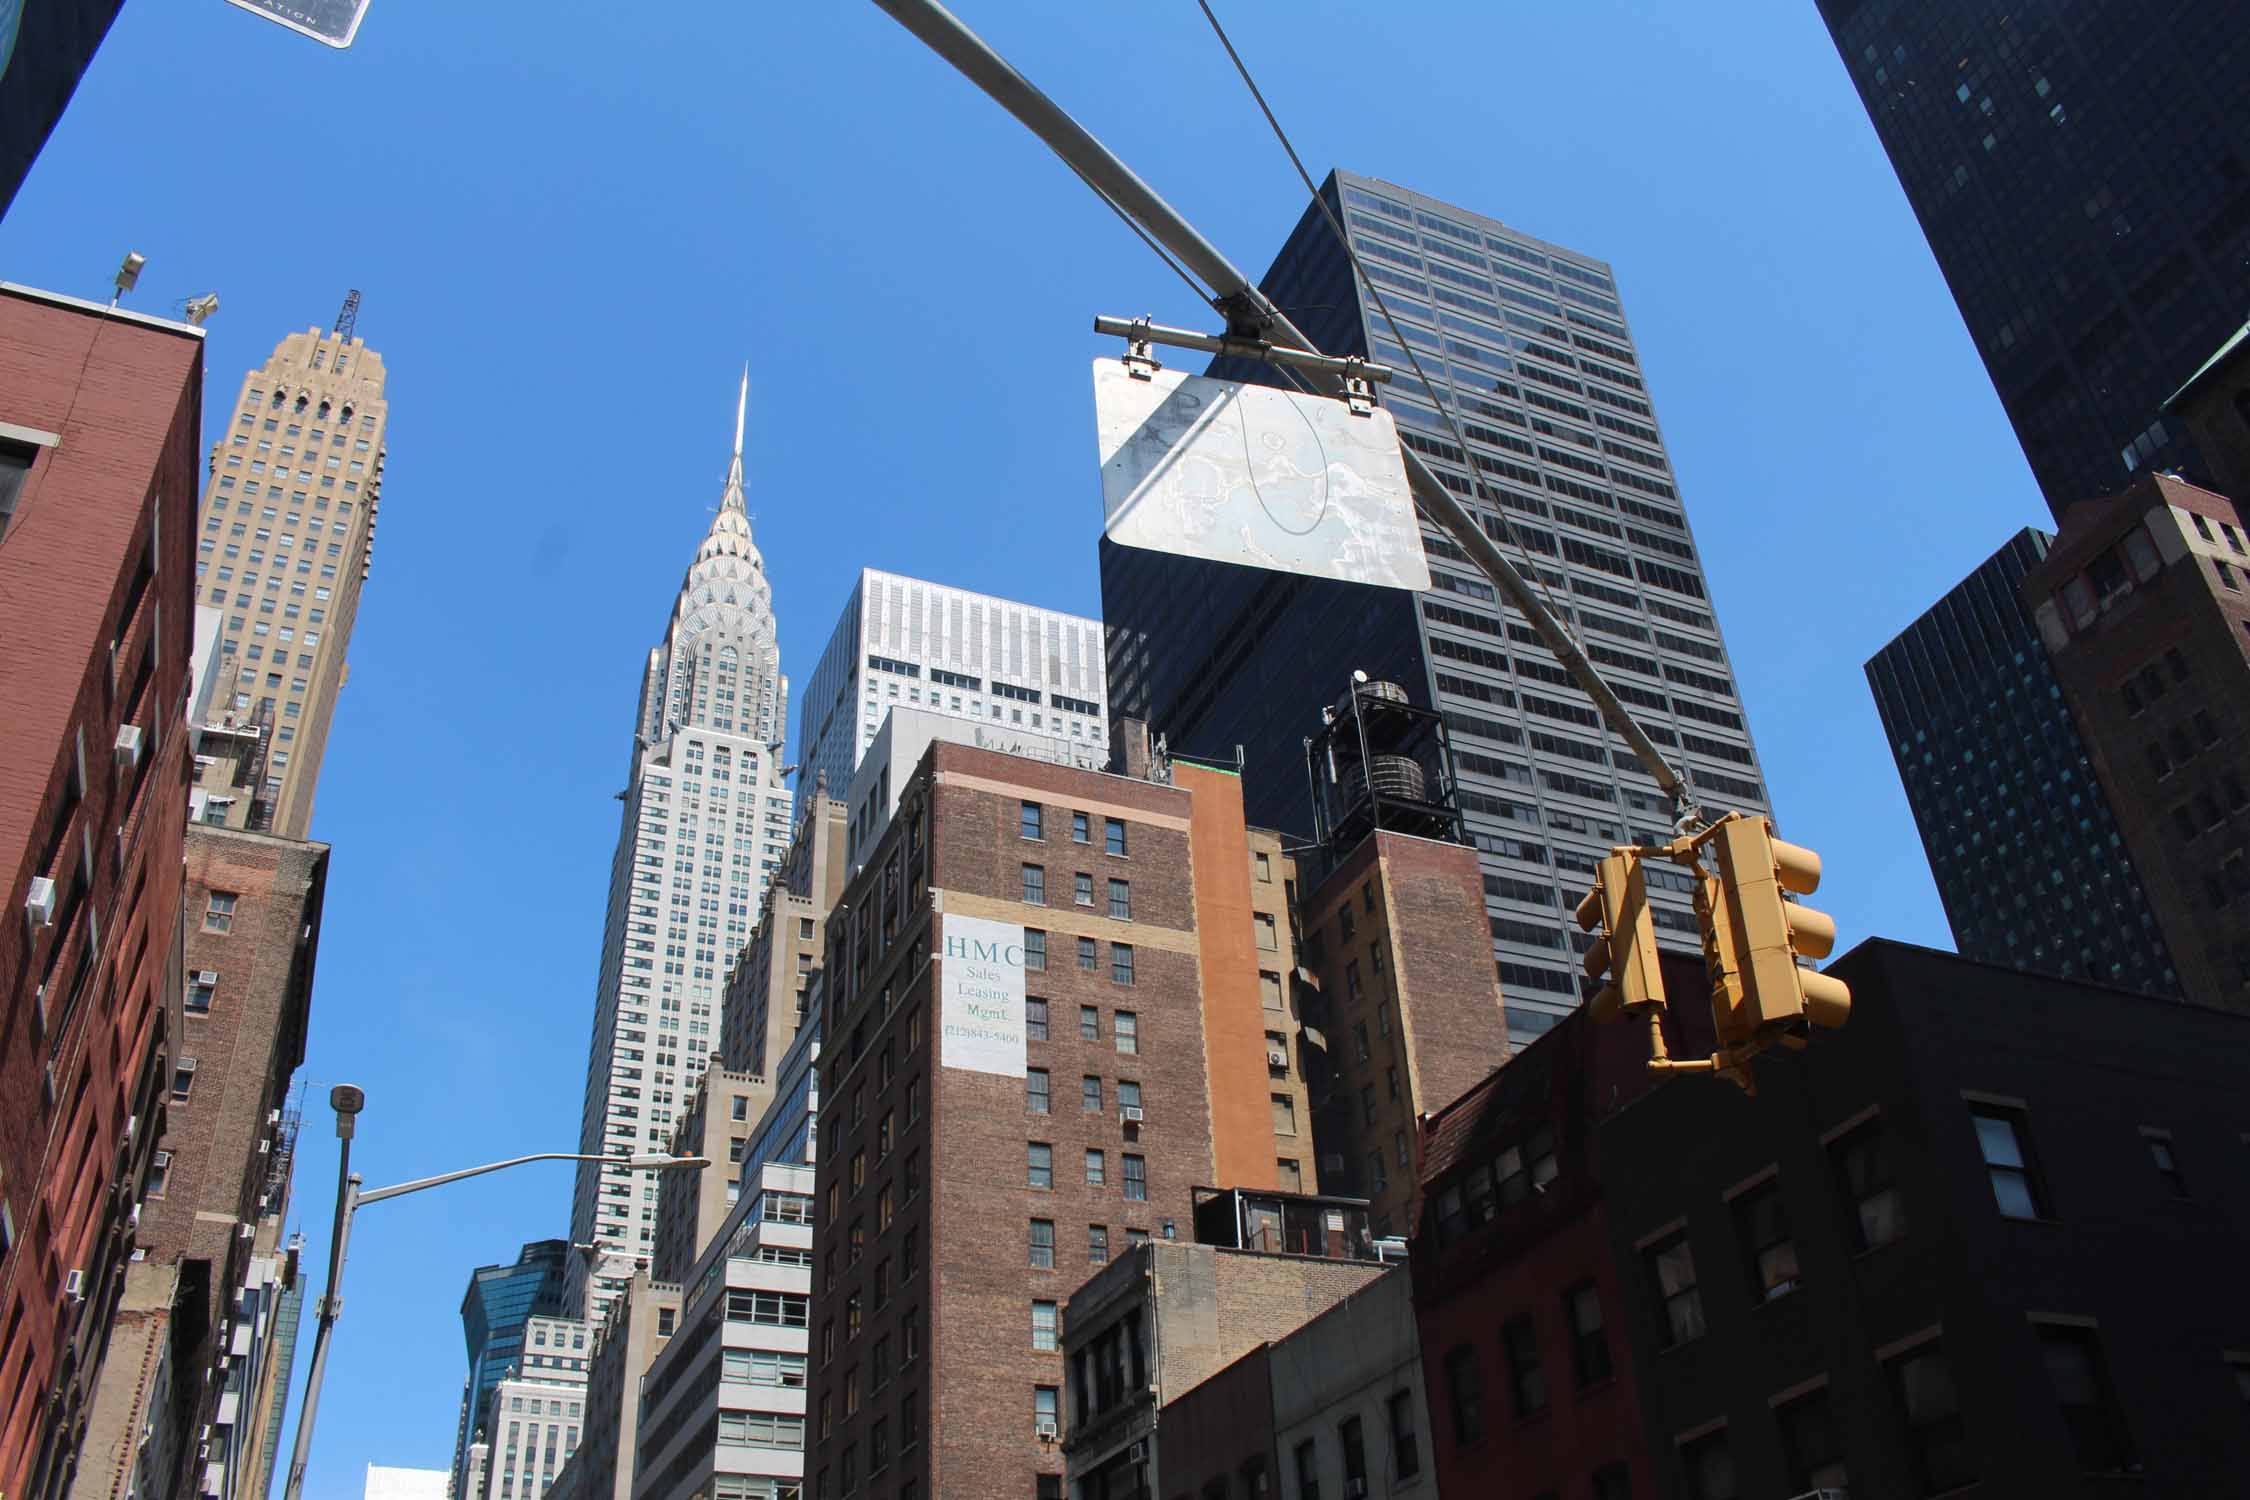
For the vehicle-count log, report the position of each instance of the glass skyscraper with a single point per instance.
(499, 1301)
(2082, 172)
(1528, 344)
(2020, 836)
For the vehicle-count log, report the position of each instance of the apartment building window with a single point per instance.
(1292, 1174)
(1035, 1019)
(1670, 1265)
(1089, 954)
(1046, 1410)
(1034, 949)
(1269, 989)
(1406, 1447)
(1284, 1115)
(218, 916)
(2159, 1150)
(1090, 1093)
(1707, 1467)
(1043, 1326)
(159, 1168)
(183, 1078)
(1043, 1244)
(1527, 1377)
(1097, 1244)
(1308, 1470)
(1035, 885)
(1261, 865)
(1126, 1025)
(1762, 1225)
(202, 988)
(1136, 1178)
(1042, 1164)
(1032, 822)
(1097, 1167)
(1589, 1342)
(1089, 1024)
(1121, 900)
(1809, 1443)
(1937, 1438)
(1350, 1440)
(1269, 939)
(1082, 888)
(2001, 1138)
(2089, 1403)
(1035, 1090)
(1863, 1169)
(1081, 828)
(1121, 963)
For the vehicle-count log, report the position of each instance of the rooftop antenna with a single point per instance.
(347, 320)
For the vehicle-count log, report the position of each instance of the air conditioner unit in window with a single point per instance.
(39, 903)
(129, 745)
(1137, 1452)
(74, 1286)
(1277, 1058)
(1130, 1114)
(1044, 1429)
(207, 976)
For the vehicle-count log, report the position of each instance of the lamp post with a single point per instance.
(348, 1101)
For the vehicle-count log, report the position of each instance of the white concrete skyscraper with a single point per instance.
(706, 821)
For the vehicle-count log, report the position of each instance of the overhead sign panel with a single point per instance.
(335, 22)
(980, 996)
(1249, 474)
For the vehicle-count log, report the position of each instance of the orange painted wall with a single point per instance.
(1234, 1025)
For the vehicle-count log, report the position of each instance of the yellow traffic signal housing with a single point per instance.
(1626, 950)
(1756, 934)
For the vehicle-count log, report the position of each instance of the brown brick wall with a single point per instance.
(1234, 1023)
(112, 648)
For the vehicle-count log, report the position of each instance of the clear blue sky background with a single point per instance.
(573, 222)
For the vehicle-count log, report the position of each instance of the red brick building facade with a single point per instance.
(99, 450)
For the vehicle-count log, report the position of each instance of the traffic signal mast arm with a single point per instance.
(1251, 315)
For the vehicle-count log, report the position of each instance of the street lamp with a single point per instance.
(348, 1101)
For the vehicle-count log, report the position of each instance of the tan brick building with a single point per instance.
(767, 989)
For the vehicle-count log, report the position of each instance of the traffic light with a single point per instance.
(1626, 950)
(1754, 935)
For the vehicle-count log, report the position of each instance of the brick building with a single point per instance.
(1986, 1239)
(1002, 1120)
(716, 1122)
(2143, 602)
(637, 1326)
(99, 411)
(1408, 1003)
(202, 1296)
(767, 995)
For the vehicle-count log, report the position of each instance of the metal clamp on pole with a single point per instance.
(1139, 333)
(1140, 357)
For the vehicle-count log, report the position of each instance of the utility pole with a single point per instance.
(1252, 316)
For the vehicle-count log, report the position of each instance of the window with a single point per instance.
(1097, 1244)
(2000, 1137)
(2089, 1404)
(1762, 1224)
(1097, 1167)
(1406, 1449)
(1527, 1378)
(1113, 835)
(1589, 1344)
(1042, 1164)
(1035, 885)
(1046, 1411)
(1268, 936)
(1464, 1389)
(218, 916)
(1090, 1093)
(1308, 1471)
(1350, 1441)
(1671, 1272)
(1034, 949)
(1120, 965)
(1291, 1173)
(1937, 1439)
(1089, 954)
(1809, 1444)
(1863, 1169)
(1043, 1325)
(1284, 1115)
(1032, 823)
(1707, 1467)
(15, 463)
(1035, 1090)
(159, 1168)
(1081, 831)
(1089, 1024)
(1136, 1178)
(1127, 1024)
(1035, 1019)
(1269, 989)
(183, 1078)
(1121, 900)
(2167, 1165)
(1043, 1244)
(202, 987)
(1082, 888)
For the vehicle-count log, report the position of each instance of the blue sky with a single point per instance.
(573, 222)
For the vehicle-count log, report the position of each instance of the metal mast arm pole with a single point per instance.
(331, 1306)
(1243, 304)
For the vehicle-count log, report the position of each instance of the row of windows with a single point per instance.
(1082, 891)
(1039, 1158)
(1032, 824)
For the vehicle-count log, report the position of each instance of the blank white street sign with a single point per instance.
(1254, 475)
(335, 22)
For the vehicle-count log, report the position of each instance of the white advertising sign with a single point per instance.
(1249, 474)
(335, 22)
(980, 995)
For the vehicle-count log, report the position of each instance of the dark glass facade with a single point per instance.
(1526, 342)
(44, 47)
(499, 1301)
(2020, 837)
(2082, 171)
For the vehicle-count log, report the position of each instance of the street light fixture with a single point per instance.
(348, 1100)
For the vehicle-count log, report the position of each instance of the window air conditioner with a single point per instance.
(207, 976)
(1137, 1452)
(1044, 1429)
(39, 905)
(1276, 1058)
(129, 745)
(1130, 1114)
(74, 1286)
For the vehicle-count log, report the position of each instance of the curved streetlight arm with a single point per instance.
(647, 1163)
